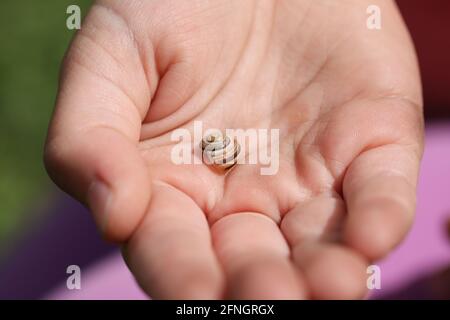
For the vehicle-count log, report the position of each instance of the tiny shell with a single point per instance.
(220, 151)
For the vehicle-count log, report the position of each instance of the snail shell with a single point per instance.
(220, 151)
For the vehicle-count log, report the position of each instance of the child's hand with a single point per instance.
(347, 101)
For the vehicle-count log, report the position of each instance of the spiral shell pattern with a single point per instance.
(220, 151)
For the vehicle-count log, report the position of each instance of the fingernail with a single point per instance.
(98, 198)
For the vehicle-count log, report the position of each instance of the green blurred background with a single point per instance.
(34, 38)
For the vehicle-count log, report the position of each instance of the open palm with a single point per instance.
(346, 100)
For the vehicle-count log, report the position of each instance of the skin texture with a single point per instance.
(347, 101)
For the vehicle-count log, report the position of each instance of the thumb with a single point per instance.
(92, 144)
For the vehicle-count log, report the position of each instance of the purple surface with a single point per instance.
(108, 279)
(425, 249)
(37, 262)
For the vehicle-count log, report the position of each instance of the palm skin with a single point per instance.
(347, 102)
